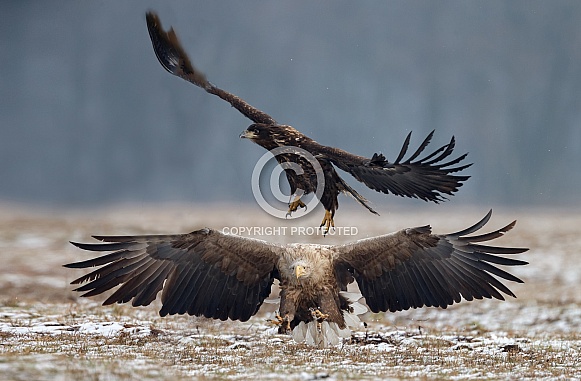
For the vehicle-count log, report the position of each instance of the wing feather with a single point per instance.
(437, 291)
(148, 294)
(131, 287)
(172, 56)
(455, 286)
(202, 273)
(428, 178)
(421, 281)
(420, 149)
(110, 277)
(186, 289)
(445, 150)
(404, 148)
(414, 268)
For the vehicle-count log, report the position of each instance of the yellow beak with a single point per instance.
(247, 135)
(300, 271)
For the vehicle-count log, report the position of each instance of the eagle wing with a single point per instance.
(174, 59)
(204, 272)
(427, 178)
(415, 268)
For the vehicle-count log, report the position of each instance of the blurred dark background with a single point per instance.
(89, 117)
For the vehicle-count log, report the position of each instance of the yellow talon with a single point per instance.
(318, 315)
(328, 221)
(278, 321)
(294, 205)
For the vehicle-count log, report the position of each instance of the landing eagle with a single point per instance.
(428, 178)
(208, 273)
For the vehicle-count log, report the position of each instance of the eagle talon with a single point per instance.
(318, 315)
(327, 222)
(277, 321)
(294, 205)
(283, 323)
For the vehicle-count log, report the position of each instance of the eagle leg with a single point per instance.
(318, 315)
(277, 321)
(328, 221)
(294, 205)
(283, 323)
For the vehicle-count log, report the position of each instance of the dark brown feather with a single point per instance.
(425, 179)
(197, 268)
(414, 268)
(174, 59)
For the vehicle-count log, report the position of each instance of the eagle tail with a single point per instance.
(362, 200)
(321, 334)
(351, 316)
(326, 333)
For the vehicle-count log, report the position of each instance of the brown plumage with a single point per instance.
(208, 273)
(428, 178)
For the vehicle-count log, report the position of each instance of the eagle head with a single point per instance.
(306, 271)
(307, 264)
(257, 131)
(301, 270)
(271, 136)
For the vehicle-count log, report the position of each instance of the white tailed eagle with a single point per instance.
(208, 273)
(428, 178)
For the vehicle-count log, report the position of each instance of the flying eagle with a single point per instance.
(428, 178)
(208, 273)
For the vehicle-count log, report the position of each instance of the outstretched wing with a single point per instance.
(428, 178)
(415, 268)
(174, 59)
(202, 273)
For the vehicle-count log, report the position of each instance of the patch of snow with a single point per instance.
(106, 329)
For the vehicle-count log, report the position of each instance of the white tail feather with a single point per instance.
(272, 300)
(299, 333)
(312, 334)
(352, 320)
(328, 333)
(318, 334)
(351, 296)
(358, 309)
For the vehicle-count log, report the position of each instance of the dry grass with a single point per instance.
(48, 333)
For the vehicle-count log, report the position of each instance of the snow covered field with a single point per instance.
(48, 333)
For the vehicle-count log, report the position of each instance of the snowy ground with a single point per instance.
(48, 333)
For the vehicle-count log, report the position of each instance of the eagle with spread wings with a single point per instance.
(208, 273)
(428, 178)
